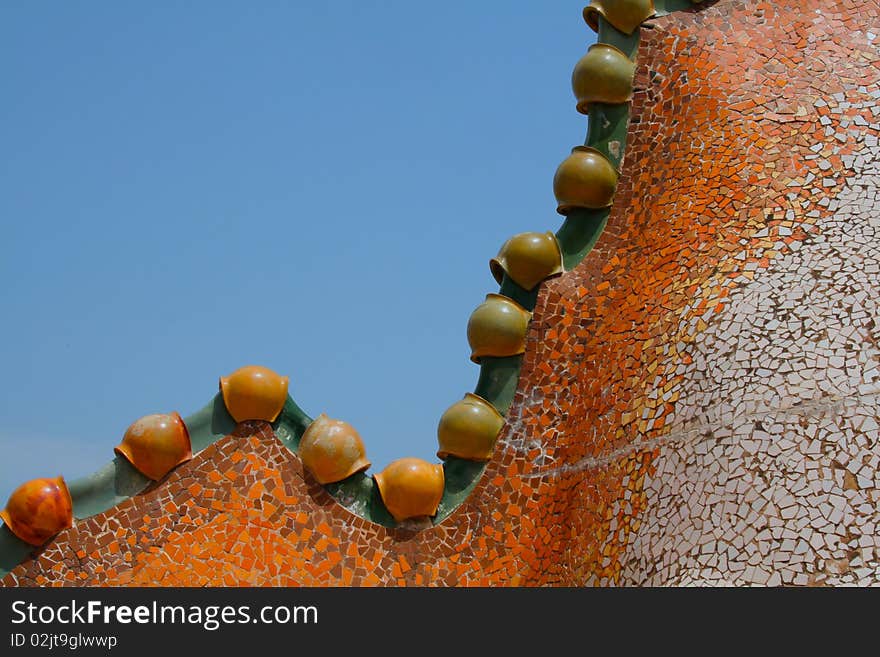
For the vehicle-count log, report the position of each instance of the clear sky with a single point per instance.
(317, 187)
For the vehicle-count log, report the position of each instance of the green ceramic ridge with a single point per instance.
(499, 377)
(13, 550)
(578, 234)
(117, 481)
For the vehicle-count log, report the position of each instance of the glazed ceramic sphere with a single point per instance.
(468, 429)
(528, 259)
(603, 75)
(156, 444)
(39, 509)
(497, 327)
(254, 393)
(411, 488)
(332, 450)
(625, 15)
(585, 179)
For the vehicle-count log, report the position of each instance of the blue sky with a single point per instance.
(315, 187)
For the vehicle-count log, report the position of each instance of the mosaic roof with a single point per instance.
(689, 399)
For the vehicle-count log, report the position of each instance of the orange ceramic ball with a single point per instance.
(39, 509)
(411, 488)
(332, 450)
(155, 444)
(254, 393)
